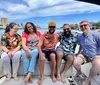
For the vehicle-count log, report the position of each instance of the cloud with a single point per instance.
(36, 8)
(16, 8)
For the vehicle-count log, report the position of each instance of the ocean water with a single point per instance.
(21, 30)
(40, 30)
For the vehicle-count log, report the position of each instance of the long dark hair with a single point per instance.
(10, 26)
(34, 27)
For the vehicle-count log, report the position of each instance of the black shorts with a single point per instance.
(48, 52)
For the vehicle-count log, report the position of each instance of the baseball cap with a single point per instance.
(52, 24)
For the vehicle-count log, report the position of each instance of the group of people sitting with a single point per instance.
(33, 44)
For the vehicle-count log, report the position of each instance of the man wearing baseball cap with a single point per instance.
(46, 48)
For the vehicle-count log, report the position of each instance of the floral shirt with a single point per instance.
(10, 42)
(32, 42)
(68, 44)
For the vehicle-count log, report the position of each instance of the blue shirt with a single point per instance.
(90, 44)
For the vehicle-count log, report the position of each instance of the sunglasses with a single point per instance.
(66, 29)
(51, 26)
(83, 25)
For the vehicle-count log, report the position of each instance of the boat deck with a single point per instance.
(47, 81)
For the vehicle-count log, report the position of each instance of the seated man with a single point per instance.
(89, 42)
(65, 50)
(46, 48)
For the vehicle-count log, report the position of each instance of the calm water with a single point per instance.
(41, 30)
(20, 32)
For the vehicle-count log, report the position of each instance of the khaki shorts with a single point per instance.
(85, 59)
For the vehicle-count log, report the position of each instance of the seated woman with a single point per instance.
(30, 38)
(11, 45)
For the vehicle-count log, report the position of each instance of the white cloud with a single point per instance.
(16, 8)
(43, 3)
(35, 8)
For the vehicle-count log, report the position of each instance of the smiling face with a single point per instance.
(84, 26)
(66, 29)
(14, 29)
(30, 28)
(51, 29)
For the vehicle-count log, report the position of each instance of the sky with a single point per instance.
(41, 12)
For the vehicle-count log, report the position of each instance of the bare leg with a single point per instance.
(53, 66)
(94, 70)
(78, 62)
(41, 67)
(68, 64)
(59, 59)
